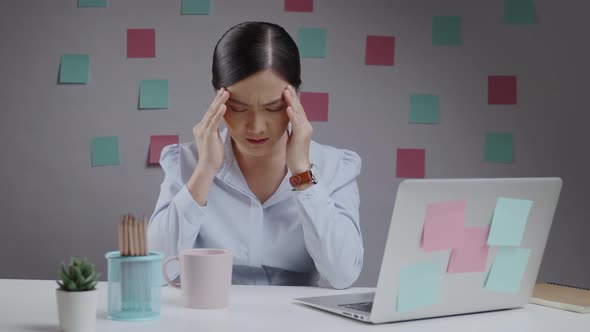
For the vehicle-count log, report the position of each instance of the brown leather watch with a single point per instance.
(309, 176)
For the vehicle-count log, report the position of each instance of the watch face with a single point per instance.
(315, 172)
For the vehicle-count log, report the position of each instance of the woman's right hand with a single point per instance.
(207, 136)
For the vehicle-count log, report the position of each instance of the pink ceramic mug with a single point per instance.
(205, 275)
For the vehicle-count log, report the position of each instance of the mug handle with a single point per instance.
(165, 272)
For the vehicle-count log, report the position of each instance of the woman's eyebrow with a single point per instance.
(246, 104)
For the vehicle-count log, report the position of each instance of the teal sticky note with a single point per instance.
(195, 7)
(92, 3)
(104, 151)
(509, 221)
(423, 108)
(419, 285)
(447, 30)
(311, 42)
(74, 68)
(519, 11)
(499, 148)
(153, 94)
(507, 269)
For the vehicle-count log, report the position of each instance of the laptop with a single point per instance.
(399, 296)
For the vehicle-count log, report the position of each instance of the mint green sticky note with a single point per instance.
(509, 221)
(92, 3)
(519, 11)
(195, 7)
(446, 30)
(419, 285)
(153, 94)
(498, 148)
(104, 151)
(74, 68)
(312, 42)
(507, 269)
(423, 108)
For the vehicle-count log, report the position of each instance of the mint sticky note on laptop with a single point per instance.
(509, 221)
(419, 285)
(74, 68)
(105, 151)
(507, 269)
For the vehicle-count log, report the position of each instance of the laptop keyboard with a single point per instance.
(362, 306)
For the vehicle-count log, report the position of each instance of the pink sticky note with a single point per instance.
(141, 43)
(474, 254)
(410, 163)
(157, 143)
(502, 90)
(315, 105)
(444, 225)
(380, 51)
(304, 6)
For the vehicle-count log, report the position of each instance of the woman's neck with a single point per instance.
(275, 159)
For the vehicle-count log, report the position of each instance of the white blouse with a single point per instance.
(303, 237)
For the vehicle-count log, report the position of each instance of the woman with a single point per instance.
(254, 188)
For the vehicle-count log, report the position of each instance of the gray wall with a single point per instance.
(54, 205)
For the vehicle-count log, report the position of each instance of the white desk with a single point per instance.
(30, 305)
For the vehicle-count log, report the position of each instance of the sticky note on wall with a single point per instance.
(157, 143)
(423, 108)
(380, 51)
(473, 256)
(444, 225)
(104, 151)
(519, 11)
(502, 90)
(74, 68)
(419, 285)
(141, 43)
(499, 148)
(311, 42)
(447, 30)
(195, 7)
(410, 163)
(507, 270)
(153, 94)
(316, 105)
(509, 221)
(302, 6)
(92, 3)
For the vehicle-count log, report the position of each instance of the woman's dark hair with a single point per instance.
(250, 47)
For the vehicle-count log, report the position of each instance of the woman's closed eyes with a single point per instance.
(240, 110)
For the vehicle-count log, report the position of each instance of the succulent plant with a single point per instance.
(79, 276)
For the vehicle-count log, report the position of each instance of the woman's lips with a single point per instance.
(259, 141)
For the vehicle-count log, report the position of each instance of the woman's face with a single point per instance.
(256, 110)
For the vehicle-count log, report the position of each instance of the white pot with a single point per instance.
(77, 310)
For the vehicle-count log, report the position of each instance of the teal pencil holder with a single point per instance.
(134, 286)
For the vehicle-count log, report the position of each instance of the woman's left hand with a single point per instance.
(300, 138)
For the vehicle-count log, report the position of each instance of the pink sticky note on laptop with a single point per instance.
(141, 43)
(380, 51)
(474, 254)
(303, 6)
(315, 105)
(444, 225)
(157, 143)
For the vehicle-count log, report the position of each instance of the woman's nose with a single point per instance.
(257, 123)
